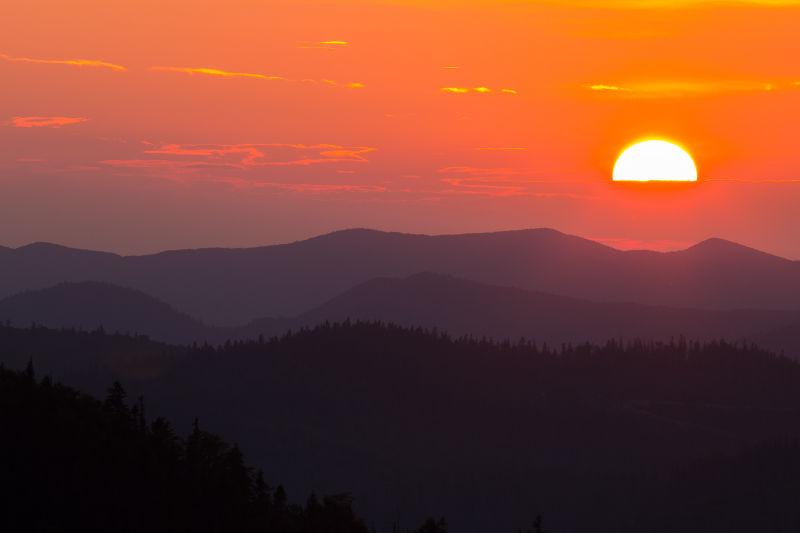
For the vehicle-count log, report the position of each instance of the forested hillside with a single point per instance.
(633, 436)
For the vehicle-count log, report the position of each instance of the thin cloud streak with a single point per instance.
(217, 73)
(87, 63)
(44, 122)
(678, 89)
(478, 90)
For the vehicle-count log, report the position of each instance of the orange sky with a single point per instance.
(136, 126)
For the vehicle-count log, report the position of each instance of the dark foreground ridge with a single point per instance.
(72, 463)
(619, 437)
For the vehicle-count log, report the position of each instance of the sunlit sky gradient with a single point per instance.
(137, 126)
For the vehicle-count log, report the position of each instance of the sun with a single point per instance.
(655, 160)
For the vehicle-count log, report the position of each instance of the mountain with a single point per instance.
(463, 307)
(457, 306)
(615, 437)
(84, 465)
(233, 286)
(91, 305)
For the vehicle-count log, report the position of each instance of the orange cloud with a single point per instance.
(500, 183)
(217, 73)
(317, 188)
(236, 161)
(479, 90)
(90, 63)
(326, 45)
(455, 90)
(677, 89)
(44, 122)
(213, 72)
(334, 83)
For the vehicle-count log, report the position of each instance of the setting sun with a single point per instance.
(655, 161)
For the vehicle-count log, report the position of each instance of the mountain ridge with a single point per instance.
(363, 231)
(426, 299)
(228, 287)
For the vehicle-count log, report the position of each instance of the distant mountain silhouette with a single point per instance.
(457, 306)
(233, 286)
(463, 307)
(91, 305)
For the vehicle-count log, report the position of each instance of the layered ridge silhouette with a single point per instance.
(234, 286)
(428, 300)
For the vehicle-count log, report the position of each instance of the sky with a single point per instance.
(139, 126)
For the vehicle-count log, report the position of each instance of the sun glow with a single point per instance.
(655, 160)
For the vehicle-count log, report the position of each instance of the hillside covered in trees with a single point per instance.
(625, 436)
(73, 463)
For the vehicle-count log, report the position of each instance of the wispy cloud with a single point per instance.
(501, 149)
(334, 83)
(678, 89)
(87, 63)
(218, 73)
(477, 90)
(306, 188)
(332, 44)
(220, 162)
(44, 122)
(501, 183)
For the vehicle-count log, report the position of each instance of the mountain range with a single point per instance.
(229, 287)
(457, 306)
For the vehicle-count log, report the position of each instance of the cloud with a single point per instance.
(455, 90)
(44, 122)
(326, 45)
(88, 63)
(607, 88)
(334, 83)
(479, 90)
(308, 188)
(678, 89)
(221, 162)
(501, 183)
(264, 155)
(217, 73)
